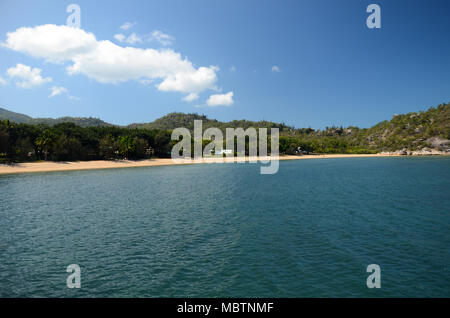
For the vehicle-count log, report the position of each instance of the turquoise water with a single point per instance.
(225, 230)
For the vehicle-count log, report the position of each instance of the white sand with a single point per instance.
(47, 166)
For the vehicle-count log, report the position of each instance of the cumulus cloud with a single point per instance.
(2, 81)
(191, 80)
(107, 62)
(127, 25)
(276, 69)
(220, 99)
(161, 37)
(26, 76)
(58, 90)
(191, 97)
(51, 42)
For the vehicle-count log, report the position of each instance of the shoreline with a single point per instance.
(52, 166)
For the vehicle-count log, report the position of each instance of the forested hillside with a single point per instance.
(412, 131)
(175, 120)
(23, 138)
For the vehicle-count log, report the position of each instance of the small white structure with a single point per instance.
(224, 151)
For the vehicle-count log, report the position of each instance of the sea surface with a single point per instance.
(225, 230)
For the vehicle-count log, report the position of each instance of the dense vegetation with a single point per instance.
(412, 131)
(23, 138)
(175, 120)
(67, 141)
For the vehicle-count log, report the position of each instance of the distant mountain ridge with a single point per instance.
(15, 117)
(167, 122)
(25, 119)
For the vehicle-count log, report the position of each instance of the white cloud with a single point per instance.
(220, 99)
(127, 25)
(2, 81)
(107, 62)
(26, 76)
(133, 38)
(191, 97)
(58, 90)
(161, 37)
(119, 37)
(191, 80)
(51, 42)
(276, 69)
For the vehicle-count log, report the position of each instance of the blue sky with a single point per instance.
(330, 68)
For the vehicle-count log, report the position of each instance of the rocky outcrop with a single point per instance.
(427, 151)
(422, 152)
(439, 143)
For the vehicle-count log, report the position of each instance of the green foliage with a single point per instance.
(66, 141)
(411, 131)
(175, 120)
(69, 142)
(108, 148)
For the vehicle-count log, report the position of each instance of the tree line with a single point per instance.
(69, 142)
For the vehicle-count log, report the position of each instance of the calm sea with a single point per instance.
(224, 230)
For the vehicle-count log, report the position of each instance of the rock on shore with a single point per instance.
(422, 152)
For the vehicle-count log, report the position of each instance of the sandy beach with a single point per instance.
(49, 166)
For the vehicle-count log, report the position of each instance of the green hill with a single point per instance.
(24, 119)
(15, 117)
(175, 120)
(412, 130)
